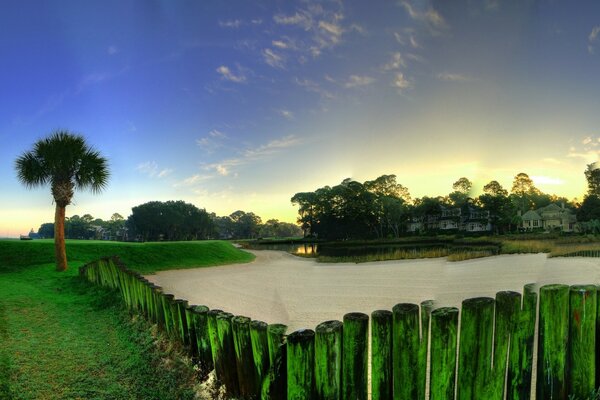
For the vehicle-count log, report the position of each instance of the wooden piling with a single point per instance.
(581, 373)
(328, 360)
(520, 359)
(215, 345)
(300, 364)
(227, 347)
(190, 320)
(260, 350)
(475, 350)
(275, 337)
(355, 356)
(405, 358)
(381, 355)
(426, 307)
(244, 357)
(552, 342)
(508, 309)
(201, 332)
(444, 330)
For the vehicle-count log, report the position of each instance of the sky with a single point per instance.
(238, 105)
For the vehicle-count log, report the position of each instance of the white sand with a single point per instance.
(280, 288)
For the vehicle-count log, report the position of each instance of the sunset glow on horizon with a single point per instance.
(238, 106)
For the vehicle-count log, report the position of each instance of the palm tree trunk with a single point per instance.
(59, 238)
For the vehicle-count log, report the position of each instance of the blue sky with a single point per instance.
(239, 105)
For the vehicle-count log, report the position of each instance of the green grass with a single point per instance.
(145, 258)
(62, 338)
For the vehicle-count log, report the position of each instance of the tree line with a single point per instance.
(172, 220)
(383, 207)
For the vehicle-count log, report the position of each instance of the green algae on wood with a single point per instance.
(328, 360)
(215, 345)
(381, 355)
(275, 336)
(190, 319)
(426, 307)
(508, 309)
(405, 345)
(581, 373)
(475, 350)
(260, 350)
(444, 329)
(244, 357)
(553, 342)
(520, 358)
(201, 332)
(274, 385)
(226, 345)
(355, 356)
(300, 364)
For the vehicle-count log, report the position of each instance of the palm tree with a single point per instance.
(66, 162)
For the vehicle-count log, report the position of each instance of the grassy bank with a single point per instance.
(62, 338)
(144, 257)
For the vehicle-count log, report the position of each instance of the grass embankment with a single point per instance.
(62, 338)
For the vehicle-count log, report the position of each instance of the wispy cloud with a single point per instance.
(396, 62)
(588, 150)
(400, 82)
(593, 38)
(193, 180)
(432, 18)
(227, 74)
(272, 58)
(546, 180)
(151, 169)
(312, 86)
(358, 80)
(231, 23)
(253, 154)
(287, 114)
(323, 25)
(452, 77)
(212, 141)
(112, 50)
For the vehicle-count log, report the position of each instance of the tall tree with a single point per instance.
(66, 162)
(592, 175)
(462, 189)
(523, 191)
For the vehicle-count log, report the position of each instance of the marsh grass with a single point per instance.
(399, 254)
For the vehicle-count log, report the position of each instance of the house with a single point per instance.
(468, 218)
(551, 217)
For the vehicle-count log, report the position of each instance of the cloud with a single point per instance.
(357, 80)
(212, 141)
(430, 16)
(193, 180)
(312, 86)
(395, 63)
(112, 50)
(232, 23)
(227, 74)
(547, 180)
(400, 82)
(587, 140)
(593, 38)
(151, 169)
(272, 58)
(287, 114)
(255, 154)
(302, 19)
(279, 44)
(450, 77)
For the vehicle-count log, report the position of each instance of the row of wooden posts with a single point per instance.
(485, 351)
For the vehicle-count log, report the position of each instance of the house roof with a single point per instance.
(550, 208)
(530, 215)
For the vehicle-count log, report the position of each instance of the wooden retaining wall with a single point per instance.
(483, 351)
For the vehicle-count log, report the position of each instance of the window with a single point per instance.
(536, 222)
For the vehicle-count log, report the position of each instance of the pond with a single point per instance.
(338, 252)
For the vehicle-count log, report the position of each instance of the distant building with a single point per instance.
(551, 217)
(468, 218)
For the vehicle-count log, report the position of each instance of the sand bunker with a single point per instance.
(280, 288)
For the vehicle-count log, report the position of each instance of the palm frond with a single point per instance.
(31, 171)
(92, 172)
